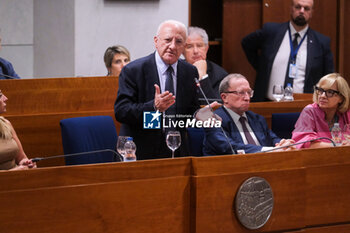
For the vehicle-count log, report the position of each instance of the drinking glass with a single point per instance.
(120, 145)
(278, 92)
(173, 141)
(346, 132)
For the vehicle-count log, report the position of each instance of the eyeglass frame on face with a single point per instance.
(241, 93)
(329, 93)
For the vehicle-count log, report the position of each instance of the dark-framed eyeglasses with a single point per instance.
(241, 93)
(329, 92)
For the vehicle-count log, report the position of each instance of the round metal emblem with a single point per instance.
(254, 203)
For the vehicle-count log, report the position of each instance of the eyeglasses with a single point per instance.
(329, 93)
(241, 93)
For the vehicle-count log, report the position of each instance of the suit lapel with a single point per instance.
(276, 43)
(231, 125)
(311, 52)
(255, 125)
(151, 74)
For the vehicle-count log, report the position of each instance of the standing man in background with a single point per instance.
(6, 69)
(290, 52)
(158, 82)
(210, 74)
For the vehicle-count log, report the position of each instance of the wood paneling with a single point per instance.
(345, 48)
(240, 17)
(152, 196)
(36, 106)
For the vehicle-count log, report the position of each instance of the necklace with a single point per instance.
(332, 121)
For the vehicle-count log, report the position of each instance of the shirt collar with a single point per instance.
(234, 115)
(301, 33)
(162, 66)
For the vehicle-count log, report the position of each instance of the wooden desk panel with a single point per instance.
(311, 189)
(183, 195)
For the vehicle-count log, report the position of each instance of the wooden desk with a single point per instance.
(185, 195)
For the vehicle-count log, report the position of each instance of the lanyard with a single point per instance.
(294, 52)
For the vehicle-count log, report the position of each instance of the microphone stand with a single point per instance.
(212, 111)
(76, 154)
(8, 76)
(312, 140)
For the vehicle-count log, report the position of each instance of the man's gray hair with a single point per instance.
(225, 83)
(173, 22)
(200, 32)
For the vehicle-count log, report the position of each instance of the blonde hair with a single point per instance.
(5, 129)
(343, 87)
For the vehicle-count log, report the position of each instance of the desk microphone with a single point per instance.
(214, 115)
(311, 140)
(8, 76)
(76, 154)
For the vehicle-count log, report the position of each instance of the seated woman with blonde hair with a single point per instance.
(331, 105)
(12, 156)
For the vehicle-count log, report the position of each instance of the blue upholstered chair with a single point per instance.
(83, 134)
(282, 124)
(196, 137)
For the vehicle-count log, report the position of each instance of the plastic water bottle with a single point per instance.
(336, 134)
(288, 93)
(130, 150)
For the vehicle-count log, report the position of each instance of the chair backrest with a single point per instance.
(83, 134)
(196, 137)
(282, 124)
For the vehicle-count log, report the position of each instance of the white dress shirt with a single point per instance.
(280, 64)
(162, 68)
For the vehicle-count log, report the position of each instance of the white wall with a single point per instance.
(132, 23)
(53, 38)
(16, 30)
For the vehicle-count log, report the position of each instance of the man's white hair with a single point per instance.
(173, 22)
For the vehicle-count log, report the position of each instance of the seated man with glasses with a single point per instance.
(245, 130)
(331, 105)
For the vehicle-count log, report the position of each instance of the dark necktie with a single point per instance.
(295, 45)
(169, 86)
(248, 136)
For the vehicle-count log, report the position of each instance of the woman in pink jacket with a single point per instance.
(331, 105)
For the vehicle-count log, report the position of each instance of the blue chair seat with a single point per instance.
(282, 124)
(196, 137)
(84, 134)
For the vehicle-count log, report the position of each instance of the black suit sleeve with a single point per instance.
(251, 45)
(128, 108)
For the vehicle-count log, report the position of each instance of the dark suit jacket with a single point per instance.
(136, 95)
(210, 85)
(7, 69)
(215, 142)
(262, 46)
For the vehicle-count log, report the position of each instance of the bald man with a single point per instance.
(290, 52)
(159, 82)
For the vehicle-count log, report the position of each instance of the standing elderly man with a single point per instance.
(245, 130)
(210, 74)
(158, 82)
(290, 52)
